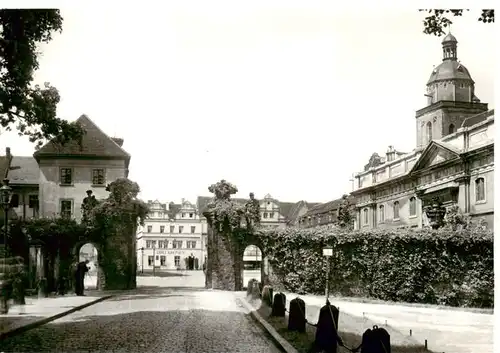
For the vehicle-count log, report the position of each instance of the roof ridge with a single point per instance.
(102, 132)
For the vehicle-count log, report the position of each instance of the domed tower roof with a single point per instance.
(450, 68)
(449, 38)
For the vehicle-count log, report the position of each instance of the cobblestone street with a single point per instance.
(152, 320)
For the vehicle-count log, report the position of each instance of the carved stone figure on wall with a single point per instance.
(88, 204)
(252, 210)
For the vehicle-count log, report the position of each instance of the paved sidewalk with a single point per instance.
(448, 331)
(37, 309)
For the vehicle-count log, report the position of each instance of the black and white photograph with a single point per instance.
(246, 176)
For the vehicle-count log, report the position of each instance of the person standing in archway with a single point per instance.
(80, 272)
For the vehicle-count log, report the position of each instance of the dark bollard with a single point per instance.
(267, 295)
(376, 340)
(327, 336)
(297, 315)
(279, 305)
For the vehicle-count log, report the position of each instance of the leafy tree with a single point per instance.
(345, 217)
(33, 109)
(439, 19)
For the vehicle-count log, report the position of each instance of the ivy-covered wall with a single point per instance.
(443, 267)
(109, 224)
(230, 231)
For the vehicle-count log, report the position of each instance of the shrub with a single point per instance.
(445, 266)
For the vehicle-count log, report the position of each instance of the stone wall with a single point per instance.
(222, 264)
(119, 259)
(225, 261)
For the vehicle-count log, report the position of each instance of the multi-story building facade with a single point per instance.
(22, 173)
(453, 159)
(171, 233)
(54, 181)
(321, 214)
(67, 172)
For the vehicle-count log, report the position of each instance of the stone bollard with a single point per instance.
(377, 340)
(267, 295)
(250, 286)
(327, 336)
(255, 290)
(297, 315)
(42, 288)
(279, 305)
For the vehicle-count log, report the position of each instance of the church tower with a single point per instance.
(450, 97)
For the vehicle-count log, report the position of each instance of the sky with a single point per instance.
(276, 97)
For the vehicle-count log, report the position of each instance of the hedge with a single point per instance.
(442, 266)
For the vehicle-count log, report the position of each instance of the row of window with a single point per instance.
(66, 177)
(270, 215)
(451, 130)
(172, 229)
(163, 260)
(317, 219)
(162, 215)
(176, 244)
(395, 211)
(480, 197)
(32, 201)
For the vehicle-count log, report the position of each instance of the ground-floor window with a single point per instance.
(163, 260)
(150, 260)
(177, 261)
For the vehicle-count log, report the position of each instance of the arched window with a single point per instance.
(451, 129)
(429, 132)
(365, 216)
(395, 209)
(413, 206)
(480, 194)
(381, 212)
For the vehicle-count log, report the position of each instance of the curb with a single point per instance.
(35, 324)
(277, 338)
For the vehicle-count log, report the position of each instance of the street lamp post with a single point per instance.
(5, 194)
(327, 253)
(154, 258)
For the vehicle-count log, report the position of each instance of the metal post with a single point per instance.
(154, 260)
(142, 260)
(327, 289)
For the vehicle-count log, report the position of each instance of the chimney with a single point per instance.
(118, 141)
(182, 201)
(7, 153)
(391, 154)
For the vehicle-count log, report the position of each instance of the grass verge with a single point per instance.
(350, 334)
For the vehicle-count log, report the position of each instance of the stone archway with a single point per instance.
(88, 250)
(225, 261)
(252, 264)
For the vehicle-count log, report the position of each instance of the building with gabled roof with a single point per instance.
(453, 160)
(322, 214)
(67, 171)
